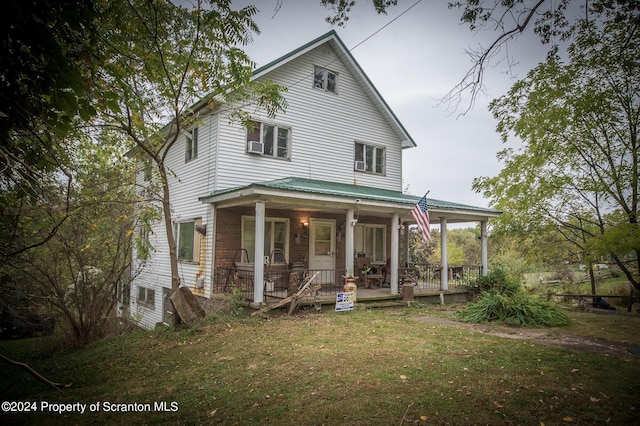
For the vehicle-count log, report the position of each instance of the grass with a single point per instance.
(358, 368)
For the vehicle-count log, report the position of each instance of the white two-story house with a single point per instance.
(313, 189)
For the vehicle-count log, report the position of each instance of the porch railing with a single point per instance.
(426, 277)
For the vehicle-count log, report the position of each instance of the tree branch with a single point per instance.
(58, 386)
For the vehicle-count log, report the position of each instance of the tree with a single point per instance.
(578, 164)
(50, 55)
(551, 21)
(341, 9)
(163, 59)
(79, 272)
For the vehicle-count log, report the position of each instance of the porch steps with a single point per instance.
(380, 304)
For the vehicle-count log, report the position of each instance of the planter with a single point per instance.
(350, 286)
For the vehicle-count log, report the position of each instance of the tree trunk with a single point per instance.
(171, 240)
(592, 278)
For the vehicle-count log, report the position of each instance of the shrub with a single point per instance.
(496, 281)
(515, 309)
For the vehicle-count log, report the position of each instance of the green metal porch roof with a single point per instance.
(348, 191)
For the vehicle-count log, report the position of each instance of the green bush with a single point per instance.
(515, 309)
(496, 281)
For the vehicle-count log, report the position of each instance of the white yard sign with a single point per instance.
(344, 301)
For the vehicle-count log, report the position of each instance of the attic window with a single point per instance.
(325, 79)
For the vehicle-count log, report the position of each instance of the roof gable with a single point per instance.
(331, 38)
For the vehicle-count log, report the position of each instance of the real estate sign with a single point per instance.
(344, 301)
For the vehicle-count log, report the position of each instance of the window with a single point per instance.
(188, 240)
(267, 139)
(371, 240)
(147, 169)
(369, 158)
(325, 79)
(146, 297)
(191, 146)
(143, 245)
(275, 237)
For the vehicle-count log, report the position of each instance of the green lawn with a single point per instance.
(357, 368)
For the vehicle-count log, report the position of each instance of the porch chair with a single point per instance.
(369, 275)
(276, 272)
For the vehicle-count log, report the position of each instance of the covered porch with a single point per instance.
(297, 226)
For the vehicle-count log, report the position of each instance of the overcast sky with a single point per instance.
(413, 63)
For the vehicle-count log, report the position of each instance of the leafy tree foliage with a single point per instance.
(463, 247)
(80, 271)
(341, 8)
(577, 168)
(163, 58)
(49, 57)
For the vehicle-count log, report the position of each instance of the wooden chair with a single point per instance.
(369, 274)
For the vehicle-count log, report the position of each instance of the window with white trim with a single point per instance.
(143, 245)
(269, 140)
(191, 145)
(146, 297)
(325, 79)
(371, 240)
(369, 158)
(147, 169)
(276, 235)
(188, 240)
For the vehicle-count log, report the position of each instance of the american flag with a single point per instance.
(421, 214)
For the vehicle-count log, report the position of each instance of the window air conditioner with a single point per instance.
(255, 147)
(360, 166)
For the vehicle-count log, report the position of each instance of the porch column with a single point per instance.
(405, 243)
(395, 252)
(211, 226)
(349, 243)
(444, 267)
(483, 247)
(258, 264)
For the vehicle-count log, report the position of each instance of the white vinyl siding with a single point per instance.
(323, 135)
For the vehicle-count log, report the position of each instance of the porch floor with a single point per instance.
(368, 296)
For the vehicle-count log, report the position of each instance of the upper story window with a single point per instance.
(191, 145)
(369, 158)
(143, 245)
(268, 139)
(147, 169)
(325, 79)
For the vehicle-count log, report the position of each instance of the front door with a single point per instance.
(322, 248)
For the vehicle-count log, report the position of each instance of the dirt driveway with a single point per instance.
(543, 336)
